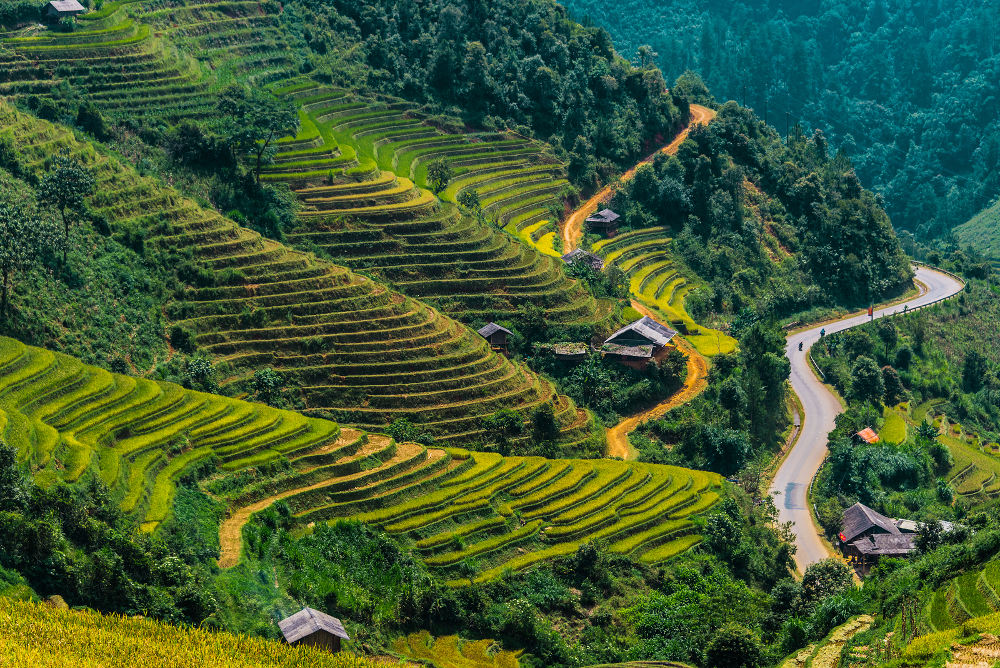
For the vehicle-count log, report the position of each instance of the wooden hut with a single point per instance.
(496, 335)
(637, 344)
(604, 222)
(59, 9)
(313, 628)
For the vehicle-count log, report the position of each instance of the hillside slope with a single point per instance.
(359, 168)
(982, 233)
(66, 420)
(351, 346)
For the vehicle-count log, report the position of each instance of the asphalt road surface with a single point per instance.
(821, 407)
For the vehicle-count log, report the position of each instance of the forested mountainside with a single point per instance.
(906, 89)
(773, 226)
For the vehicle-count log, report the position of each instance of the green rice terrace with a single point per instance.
(359, 167)
(973, 594)
(133, 61)
(358, 350)
(65, 418)
(655, 280)
(976, 471)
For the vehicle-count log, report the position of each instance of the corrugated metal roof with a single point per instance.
(604, 216)
(868, 435)
(67, 6)
(307, 622)
(492, 328)
(646, 328)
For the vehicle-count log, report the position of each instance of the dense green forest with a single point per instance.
(906, 89)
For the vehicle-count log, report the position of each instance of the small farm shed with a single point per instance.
(867, 435)
(59, 9)
(635, 345)
(496, 335)
(313, 628)
(605, 222)
(569, 352)
(585, 257)
(867, 535)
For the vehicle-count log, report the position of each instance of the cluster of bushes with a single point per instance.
(809, 202)
(611, 389)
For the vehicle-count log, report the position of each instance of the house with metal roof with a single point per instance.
(62, 8)
(638, 343)
(313, 628)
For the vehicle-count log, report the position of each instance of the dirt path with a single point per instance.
(573, 227)
(231, 530)
(694, 384)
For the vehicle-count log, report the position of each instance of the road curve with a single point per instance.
(694, 384)
(821, 408)
(573, 227)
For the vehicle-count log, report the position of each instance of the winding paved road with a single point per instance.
(821, 407)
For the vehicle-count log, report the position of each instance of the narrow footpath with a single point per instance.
(573, 227)
(694, 384)
(821, 407)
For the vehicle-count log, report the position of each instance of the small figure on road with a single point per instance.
(800, 345)
(822, 332)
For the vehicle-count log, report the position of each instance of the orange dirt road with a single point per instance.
(694, 384)
(573, 227)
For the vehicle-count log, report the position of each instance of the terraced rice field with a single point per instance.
(453, 652)
(975, 474)
(140, 436)
(358, 350)
(654, 279)
(133, 63)
(359, 167)
(457, 508)
(972, 594)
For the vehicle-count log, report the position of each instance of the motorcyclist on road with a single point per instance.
(822, 332)
(800, 345)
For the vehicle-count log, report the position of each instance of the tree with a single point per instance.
(252, 120)
(14, 486)
(974, 370)
(825, 578)
(439, 176)
(267, 385)
(65, 188)
(894, 391)
(502, 426)
(22, 235)
(866, 381)
(888, 334)
(734, 646)
(926, 432)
